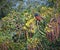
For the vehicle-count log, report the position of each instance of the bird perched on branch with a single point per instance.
(40, 20)
(38, 17)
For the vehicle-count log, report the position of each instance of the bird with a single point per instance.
(38, 17)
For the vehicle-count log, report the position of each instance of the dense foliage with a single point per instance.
(21, 31)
